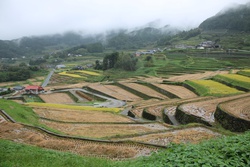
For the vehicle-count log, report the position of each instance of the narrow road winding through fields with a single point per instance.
(46, 81)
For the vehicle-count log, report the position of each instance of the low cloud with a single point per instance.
(40, 17)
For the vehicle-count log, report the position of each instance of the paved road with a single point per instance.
(46, 81)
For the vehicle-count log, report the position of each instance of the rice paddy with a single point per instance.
(211, 88)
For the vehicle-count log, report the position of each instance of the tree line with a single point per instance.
(116, 60)
(19, 72)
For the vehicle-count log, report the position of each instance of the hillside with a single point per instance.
(236, 18)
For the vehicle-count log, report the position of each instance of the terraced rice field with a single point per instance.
(234, 80)
(145, 90)
(88, 73)
(239, 108)
(179, 91)
(67, 115)
(188, 135)
(23, 134)
(197, 76)
(70, 74)
(206, 109)
(211, 88)
(103, 130)
(61, 98)
(71, 107)
(115, 91)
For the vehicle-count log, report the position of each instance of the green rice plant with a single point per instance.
(211, 88)
(245, 72)
(72, 107)
(234, 80)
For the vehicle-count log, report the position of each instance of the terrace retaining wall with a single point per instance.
(230, 122)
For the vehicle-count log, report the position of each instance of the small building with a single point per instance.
(18, 88)
(33, 89)
(60, 66)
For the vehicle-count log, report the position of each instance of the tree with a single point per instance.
(110, 60)
(126, 62)
(98, 65)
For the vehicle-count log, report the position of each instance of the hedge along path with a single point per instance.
(61, 98)
(86, 147)
(239, 108)
(148, 92)
(80, 116)
(204, 110)
(64, 106)
(115, 91)
(179, 91)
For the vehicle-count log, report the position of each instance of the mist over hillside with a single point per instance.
(152, 34)
(236, 18)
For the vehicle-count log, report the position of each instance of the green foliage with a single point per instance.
(126, 62)
(227, 151)
(14, 73)
(118, 61)
(110, 60)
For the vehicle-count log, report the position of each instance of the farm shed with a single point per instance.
(32, 89)
(18, 88)
(60, 66)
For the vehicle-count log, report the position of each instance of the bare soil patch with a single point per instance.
(103, 130)
(61, 98)
(67, 115)
(189, 135)
(238, 107)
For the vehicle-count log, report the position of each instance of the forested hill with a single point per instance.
(236, 18)
(140, 38)
(119, 39)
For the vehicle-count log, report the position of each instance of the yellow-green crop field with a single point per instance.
(212, 88)
(237, 77)
(70, 75)
(89, 72)
(72, 107)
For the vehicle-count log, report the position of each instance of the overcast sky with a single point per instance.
(20, 18)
